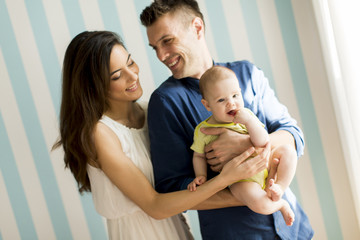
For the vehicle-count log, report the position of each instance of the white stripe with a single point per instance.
(309, 195)
(208, 32)
(56, 19)
(47, 116)
(22, 154)
(33, 67)
(8, 226)
(286, 94)
(70, 197)
(324, 109)
(135, 44)
(91, 14)
(237, 30)
(337, 90)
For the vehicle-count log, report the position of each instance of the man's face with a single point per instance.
(176, 45)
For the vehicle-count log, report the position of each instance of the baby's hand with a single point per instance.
(196, 182)
(242, 116)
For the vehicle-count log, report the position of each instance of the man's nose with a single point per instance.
(161, 54)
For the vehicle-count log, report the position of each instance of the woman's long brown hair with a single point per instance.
(85, 86)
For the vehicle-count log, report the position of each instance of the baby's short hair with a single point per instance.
(213, 74)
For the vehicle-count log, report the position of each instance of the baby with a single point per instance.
(221, 94)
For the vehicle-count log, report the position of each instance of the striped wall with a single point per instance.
(39, 199)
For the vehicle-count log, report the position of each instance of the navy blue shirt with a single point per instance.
(175, 109)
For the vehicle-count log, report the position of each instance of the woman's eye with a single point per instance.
(116, 76)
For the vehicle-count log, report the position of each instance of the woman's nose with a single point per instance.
(131, 73)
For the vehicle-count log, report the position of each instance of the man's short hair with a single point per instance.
(159, 8)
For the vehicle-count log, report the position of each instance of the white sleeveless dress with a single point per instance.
(125, 220)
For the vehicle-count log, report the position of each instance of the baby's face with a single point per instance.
(224, 99)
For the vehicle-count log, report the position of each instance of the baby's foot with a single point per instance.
(288, 214)
(274, 191)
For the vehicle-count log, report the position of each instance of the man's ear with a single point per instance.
(199, 26)
(206, 104)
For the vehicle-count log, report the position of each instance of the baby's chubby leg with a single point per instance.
(274, 191)
(251, 195)
(286, 168)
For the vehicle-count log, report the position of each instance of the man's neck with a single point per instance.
(206, 65)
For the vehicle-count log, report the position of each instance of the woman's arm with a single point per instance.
(131, 181)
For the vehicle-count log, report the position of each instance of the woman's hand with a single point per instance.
(241, 167)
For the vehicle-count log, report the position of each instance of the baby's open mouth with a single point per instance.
(232, 112)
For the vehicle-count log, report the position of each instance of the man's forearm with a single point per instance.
(222, 199)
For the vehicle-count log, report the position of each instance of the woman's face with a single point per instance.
(124, 76)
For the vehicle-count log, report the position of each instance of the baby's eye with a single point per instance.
(221, 100)
(235, 95)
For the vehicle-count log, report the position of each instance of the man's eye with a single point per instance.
(168, 40)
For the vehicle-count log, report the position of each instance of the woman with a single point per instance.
(103, 132)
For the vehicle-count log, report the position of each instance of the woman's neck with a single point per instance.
(129, 114)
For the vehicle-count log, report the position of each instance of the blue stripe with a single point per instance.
(46, 48)
(74, 17)
(32, 126)
(94, 220)
(110, 16)
(219, 30)
(307, 112)
(194, 224)
(295, 189)
(14, 187)
(159, 71)
(256, 37)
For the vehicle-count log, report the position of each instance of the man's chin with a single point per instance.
(177, 75)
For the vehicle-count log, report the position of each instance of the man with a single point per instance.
(176, 31)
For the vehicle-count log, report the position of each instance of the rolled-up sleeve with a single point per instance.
(274, 114)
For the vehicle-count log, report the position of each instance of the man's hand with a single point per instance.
(229, 145)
